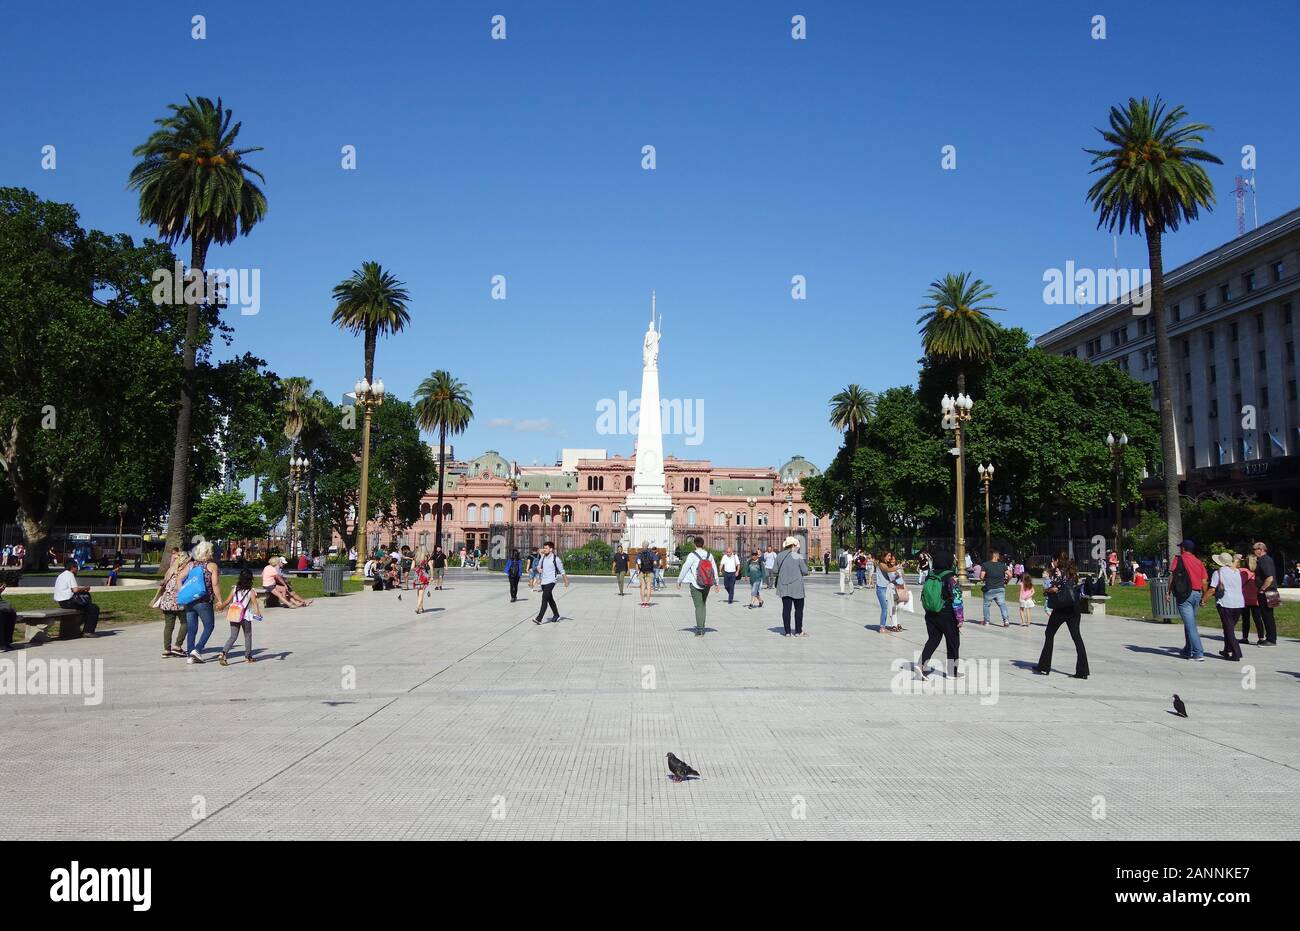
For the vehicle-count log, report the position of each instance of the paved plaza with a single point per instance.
(472, 722)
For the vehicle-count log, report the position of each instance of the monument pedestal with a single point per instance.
(649, 519)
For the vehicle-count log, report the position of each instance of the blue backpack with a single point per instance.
(193, 588)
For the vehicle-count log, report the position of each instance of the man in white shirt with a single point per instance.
(845, 562)
(65, 590)
(769, 566)
(730, 569)
(700, 585)
(550, 568)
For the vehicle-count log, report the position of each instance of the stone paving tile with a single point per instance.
(471, 722)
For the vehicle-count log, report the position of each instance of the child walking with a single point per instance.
(1026, 598)
(241, 610)
(421, 581)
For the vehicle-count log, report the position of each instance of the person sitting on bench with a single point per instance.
(276, 586)
(68, 594)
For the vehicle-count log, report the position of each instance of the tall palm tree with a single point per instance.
(194, 184)
(956, 324)
(1151, 181)
(296, 392)
(442, 403)
(850, 409)
(371, 302)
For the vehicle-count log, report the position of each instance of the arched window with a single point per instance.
(803, 518)
(534, 511)
(447, 512)
(617, 516)
(817, 520)
(595, 514)
(524, 513)
(762, 518)
(499, 513)
(787, 518)
(471, 514)
(627, 483)
(741, 518)
(690, 517)
(485, 513)
(566, 515)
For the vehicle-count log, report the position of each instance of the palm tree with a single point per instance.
(372, 302)
(442, 403)
(194, 184)
(956, 323)
(850, 409)
(296, 392)
(1151, 181)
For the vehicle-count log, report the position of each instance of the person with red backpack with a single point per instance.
(699, 570)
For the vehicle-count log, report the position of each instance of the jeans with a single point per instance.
(729, 583)
(1192, 648)
(193, 614)
(755, 586)
(699, 596)
(862, 577)
(247, 627)
(997, 596)
(846, 585)
(787, 602)
(886, 599)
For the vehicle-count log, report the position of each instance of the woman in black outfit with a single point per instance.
(942, 625)
(514, 569)
(1063, 575)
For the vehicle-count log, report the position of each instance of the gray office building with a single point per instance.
(1233, 328)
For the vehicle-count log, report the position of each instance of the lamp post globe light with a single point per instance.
(545, 498)
(956, 411)
(986, 476)
(1116, 448)
(369, 396)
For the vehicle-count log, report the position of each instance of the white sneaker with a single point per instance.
(194, 657)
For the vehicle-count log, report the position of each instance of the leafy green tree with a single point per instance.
(225, 515)
(194, 184)
(1151, 182)
(443, 403)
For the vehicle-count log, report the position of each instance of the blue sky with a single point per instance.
(775, 158)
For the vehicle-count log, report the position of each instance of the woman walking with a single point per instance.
(420, 578)
(1250, 596)
(1228, 598)
(514, 570)
(1061, 588)
(241, 611)
(790, 570)
(173, 614)
(202, 609)
(944, 614)
(754, 572)
(889, 578)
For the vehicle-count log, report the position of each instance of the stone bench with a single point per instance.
(42, 619)
(1097, 604)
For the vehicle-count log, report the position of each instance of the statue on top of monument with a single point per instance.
(650, 345)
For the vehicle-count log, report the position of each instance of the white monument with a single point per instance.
(649, 509)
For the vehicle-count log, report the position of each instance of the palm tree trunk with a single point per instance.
(371, 337)
(178, 512)
(442, 471)
(1165, 372)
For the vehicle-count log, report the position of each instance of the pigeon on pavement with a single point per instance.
(679, 769)
(1179, 707)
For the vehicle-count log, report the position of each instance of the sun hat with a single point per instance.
(1223, 559)
(790, 541)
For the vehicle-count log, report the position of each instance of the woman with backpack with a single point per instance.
(944, 614)
(1061, 590)
(199, 593)
(646, 560)
(790, 570)
(241, 611)
(514, 570)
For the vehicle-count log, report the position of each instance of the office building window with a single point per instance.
(1187, 414)
(1191, 457)
(1248, 280)
(1200, 303)
(1259, 323)
(1290, 390)
(1236, 368)
(1144, 326)
(1290, 351)
(1119, 337)
(1225, 293)
(1187, 380)
(1232, 331)
(1263, 396)
(1148, 359)
(1072, 353)
(1214, 375)
(1187, 348)
(1237, 398)
(1122, 362)
(1209, 339)
(1263, 361)
(1286, 312)
(1277, 271)
(1094, 347)
(1175, 314)
(1214, 408)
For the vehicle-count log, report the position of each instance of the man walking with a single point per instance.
(860, 567)
(769, 566)
(620, 568)
(549, 569)
(1269, 596)
(730, 569)
(699, 571)
(439, 566)
(1187, 584)
(846, 580)
(646, 560)
(996, 573)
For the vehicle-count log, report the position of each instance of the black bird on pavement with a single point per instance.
(1179, 707)
(680, 769)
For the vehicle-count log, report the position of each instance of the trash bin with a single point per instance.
(1162, 601)
(331, 577)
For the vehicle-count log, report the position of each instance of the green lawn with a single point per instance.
(131, 606)
(1136, 602)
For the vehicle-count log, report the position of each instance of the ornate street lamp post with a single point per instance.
(545, 498)
(369, 397)
(297, 466)
(986, 476)
(1116, 448)
(121, 513)
(514, 499)
(956, 411)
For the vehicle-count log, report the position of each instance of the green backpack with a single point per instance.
(932, 592)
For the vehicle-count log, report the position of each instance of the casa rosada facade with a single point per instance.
(582, 498)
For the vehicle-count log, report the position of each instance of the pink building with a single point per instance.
(582, 497)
